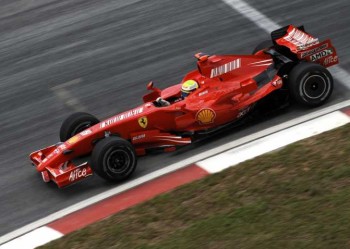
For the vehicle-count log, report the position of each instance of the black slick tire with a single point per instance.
(76, 123)
(310, 84)
(113, 159)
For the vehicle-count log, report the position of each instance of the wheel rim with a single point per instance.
(117, 160)
(80, 128)
(315, 86)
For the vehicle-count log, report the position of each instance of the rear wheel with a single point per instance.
(310, 84)
(76, 123)
(113, 159)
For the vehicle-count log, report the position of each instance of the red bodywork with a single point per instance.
(227, 91)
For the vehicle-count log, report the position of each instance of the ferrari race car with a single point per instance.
(229, 86)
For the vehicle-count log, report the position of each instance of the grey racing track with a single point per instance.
(107, 51)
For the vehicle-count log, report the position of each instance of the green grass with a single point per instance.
(297, 197)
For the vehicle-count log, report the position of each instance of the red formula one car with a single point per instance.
(226, 88)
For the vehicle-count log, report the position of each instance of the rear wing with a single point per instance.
(304, 46)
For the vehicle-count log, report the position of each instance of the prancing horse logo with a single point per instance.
(143, 122)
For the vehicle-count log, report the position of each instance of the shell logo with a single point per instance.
(205, 116)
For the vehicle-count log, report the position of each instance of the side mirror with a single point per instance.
(153, 95)
(201, 57)
(150, 85)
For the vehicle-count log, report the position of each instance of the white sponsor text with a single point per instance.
(121, 117)
(76, 174)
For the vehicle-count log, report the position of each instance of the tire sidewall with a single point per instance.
(301, 75)
(303, 92)
(102, 152)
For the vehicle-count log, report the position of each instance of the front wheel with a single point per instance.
(113, 159)
(310, 84)
(76, 123)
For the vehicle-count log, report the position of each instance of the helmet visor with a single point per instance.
(184, 94)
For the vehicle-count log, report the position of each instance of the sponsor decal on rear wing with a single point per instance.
(322, 53)
(305, 46)
(296, 39)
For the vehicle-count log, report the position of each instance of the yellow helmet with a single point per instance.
(187, 87)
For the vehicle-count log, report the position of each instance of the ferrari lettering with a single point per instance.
(76, 174)
(321, 54)
(121, 117)
(228, 67)
(313, 51)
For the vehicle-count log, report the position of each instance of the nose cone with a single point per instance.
(45, 157)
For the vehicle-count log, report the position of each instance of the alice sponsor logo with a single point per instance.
(330, 60)
(228, 67)
(321, 54)
(121, 117)
(77, 174)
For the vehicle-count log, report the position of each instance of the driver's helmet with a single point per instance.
(187, 87)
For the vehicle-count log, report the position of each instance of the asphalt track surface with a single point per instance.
(58, 57)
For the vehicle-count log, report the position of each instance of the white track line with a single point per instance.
(341, 75)
(252, 14)
(33, 239)
(274, 141)
(267, 24)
